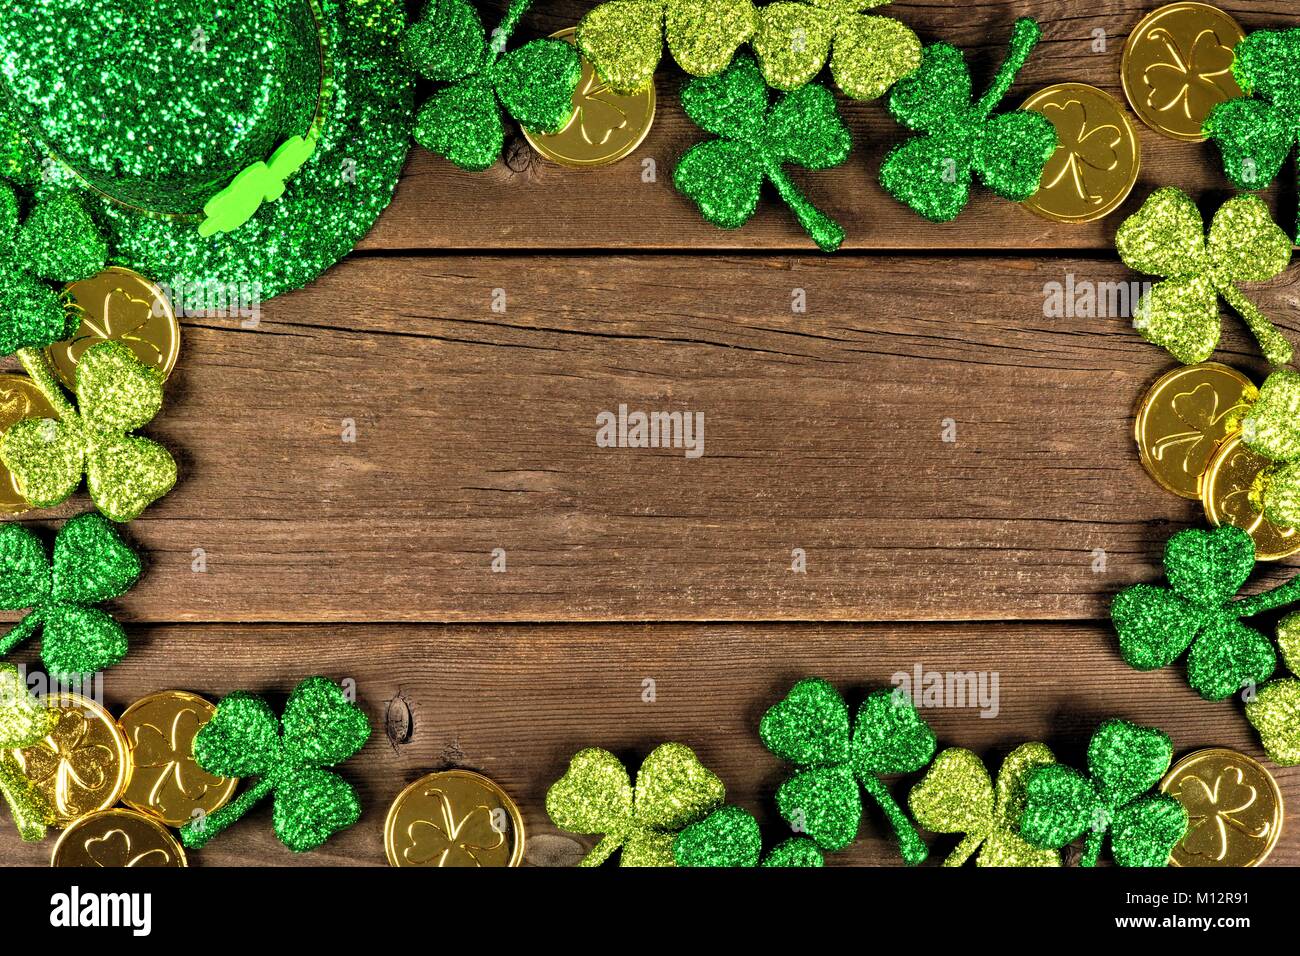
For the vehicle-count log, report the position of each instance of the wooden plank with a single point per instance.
(824, 432)
(515, 702)
(527, 203)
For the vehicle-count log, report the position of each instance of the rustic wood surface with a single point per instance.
(475, 430)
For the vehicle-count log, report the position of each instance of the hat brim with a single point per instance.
(327, 206)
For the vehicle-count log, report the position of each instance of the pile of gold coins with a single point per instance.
(1188, 431)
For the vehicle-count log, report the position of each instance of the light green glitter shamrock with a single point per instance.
(956, 795)
(320, 728)
(1257, 132)
(91, 565)
(116, 394)
(1274, 710)
(868, 55)
(24, 721)
(533, 84)
(1271, 429)
(1205, 570)
(729, 837)
(595, 795)
(1009, 151)
(1125, 761)
(810, 728)
(1166, 237)
(624, 39)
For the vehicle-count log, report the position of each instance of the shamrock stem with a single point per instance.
(1273, 344)
(825, 231)
(20, 632)
(198, 832)
(30, 811)
(1281, 595)
(910, 844)
(1092, 846)
(969, 844)
(602, 850)
(42, 376)
(1024, 37)
(501, 35)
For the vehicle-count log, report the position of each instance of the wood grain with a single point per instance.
(515, 702)
(524, 202)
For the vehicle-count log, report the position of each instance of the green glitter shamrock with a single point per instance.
(57, 242)
(1205, 569)
(870, 54)
(729, 837)
(320, 728)
(673, 789)
(1274, 711)
(1254, 135)
(1124, 762)
(24, 721)
(1009, 151)
(1166, 237)
(91, 564)
(810, 728)
(724, 175)
(116, 394)
(534, 84)
(956, 795)
(624, 39)
(1271, 429)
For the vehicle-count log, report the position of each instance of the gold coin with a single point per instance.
(19, 399)
(115, 838)
(1097, 154)
(81, 766)
(1234, 809)
(605, 126)
(454, 818)
(121, 306)
(1177, 66)
(1185, 417)
(164, 781)
(1226, 494)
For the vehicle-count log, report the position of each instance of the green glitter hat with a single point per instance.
(240, 146)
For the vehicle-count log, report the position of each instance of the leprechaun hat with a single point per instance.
(230, 144)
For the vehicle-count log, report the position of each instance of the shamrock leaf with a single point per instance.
(1166, 237)
(1275, 714)
(1205, 570)
(624, 39)
(462, 121)
(116, 393)
(1009, 151)
(730, 837)
(956, 795)
(867, 54)
(92, 564)
(24, 721)
(673, 789)
(723, 176)
(810, 729)
(1271, 429)
(1124, 762)
(320, 728)
(58, 242)
(1256, 132)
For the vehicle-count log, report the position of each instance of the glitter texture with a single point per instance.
(729, 837)
(810, 729)
(932, 173)
(868, 55)
(1275, 714)
(1124, 762)
(1271, 429)
(92, 564)
(624, 39)
(1205, 569)
(58, 243)
(1255, 133)
(320, 728)
(236, 79)
(1166, 237)
(595, 795)
(956, 795)
(534, 84)
(116, 394)
(24, 721)
(724, 175)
